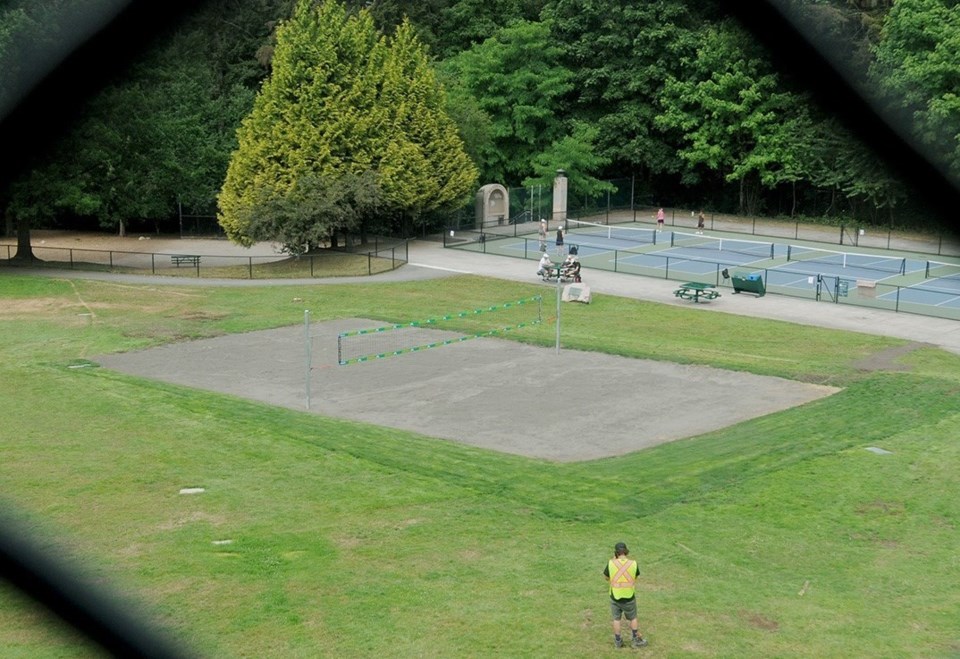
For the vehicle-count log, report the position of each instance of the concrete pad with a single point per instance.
(488, 392)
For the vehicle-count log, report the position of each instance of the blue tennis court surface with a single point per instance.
(882, 280)
(938, 292)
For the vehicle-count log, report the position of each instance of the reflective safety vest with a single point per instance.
(623, 577)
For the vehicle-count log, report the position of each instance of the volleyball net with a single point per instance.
(397, 339)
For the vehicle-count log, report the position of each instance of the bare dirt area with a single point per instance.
(142, 243)
(887, 360)
(490, 393)
(138, 250)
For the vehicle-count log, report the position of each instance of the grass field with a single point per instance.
(782, 536)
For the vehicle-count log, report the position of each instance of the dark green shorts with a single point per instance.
(627, 609)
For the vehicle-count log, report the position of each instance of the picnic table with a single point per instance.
(179, 259)
(694, 290)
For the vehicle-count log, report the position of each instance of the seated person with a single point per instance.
(546, 265)
(571, 267)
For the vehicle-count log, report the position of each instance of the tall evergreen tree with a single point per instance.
(424, 166)
(343, 100)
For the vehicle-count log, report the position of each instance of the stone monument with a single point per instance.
(560, 197)
(493, 206)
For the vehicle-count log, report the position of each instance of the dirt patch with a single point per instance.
(760, 621)
(140, 243)
(37, 305)
(202, 315)
(887, 360)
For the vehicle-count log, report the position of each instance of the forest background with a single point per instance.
(678, 96)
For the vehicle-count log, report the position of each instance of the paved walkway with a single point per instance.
(430, 259)
(937, 331)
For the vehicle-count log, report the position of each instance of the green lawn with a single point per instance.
(781, 536)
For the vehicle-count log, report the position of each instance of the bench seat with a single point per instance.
(180, 259)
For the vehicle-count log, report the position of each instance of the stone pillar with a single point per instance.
(560, 197)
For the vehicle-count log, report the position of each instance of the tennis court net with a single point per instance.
(891, 264)
(760, 249)
(612, 232)
(938, 270)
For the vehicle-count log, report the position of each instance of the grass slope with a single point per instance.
(781, 536)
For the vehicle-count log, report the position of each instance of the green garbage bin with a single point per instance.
(748, 283)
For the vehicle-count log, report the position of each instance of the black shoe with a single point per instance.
(617, 643)
(639, 642)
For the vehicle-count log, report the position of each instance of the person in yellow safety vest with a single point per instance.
(622, 572)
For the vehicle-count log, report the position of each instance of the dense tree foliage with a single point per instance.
(158, 137)
(620, 54)
(918, 67)
(518, 81)
(448, 27)
(673, 93)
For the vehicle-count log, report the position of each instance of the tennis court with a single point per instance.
(885, 280)
(940, 287)
(699, 256)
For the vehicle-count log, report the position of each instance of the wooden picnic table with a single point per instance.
(694, 290)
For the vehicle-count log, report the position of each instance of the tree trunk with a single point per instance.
(24, 249)
(123, 229)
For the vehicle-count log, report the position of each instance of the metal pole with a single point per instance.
(306, 336)
(559, 287)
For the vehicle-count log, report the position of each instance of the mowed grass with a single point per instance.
(781, 536)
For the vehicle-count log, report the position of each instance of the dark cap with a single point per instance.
(620, 548)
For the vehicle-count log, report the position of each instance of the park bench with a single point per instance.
(181, 259)
(696, 291)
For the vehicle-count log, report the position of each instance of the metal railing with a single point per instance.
(356, 261)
